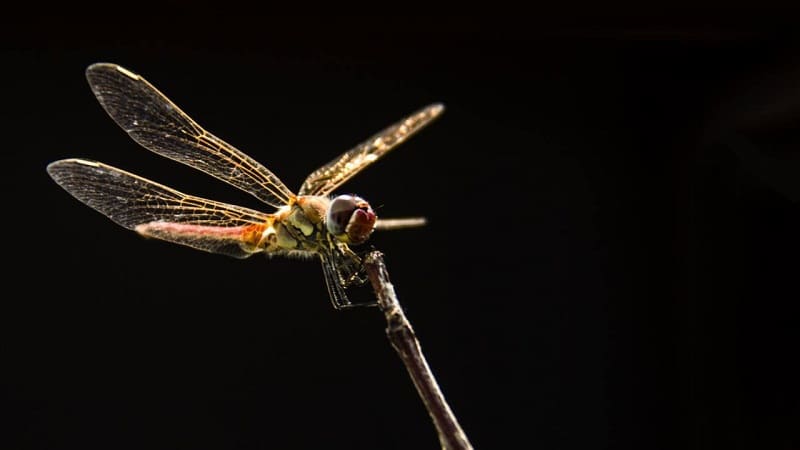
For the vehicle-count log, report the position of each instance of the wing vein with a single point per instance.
(159, 125)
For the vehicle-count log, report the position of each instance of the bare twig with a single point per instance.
(396, 224)
(405, 342)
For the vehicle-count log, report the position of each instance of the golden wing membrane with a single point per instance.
(330, 176)
(156, 123)
(158, 211)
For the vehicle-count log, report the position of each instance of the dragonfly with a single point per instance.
(312, 223)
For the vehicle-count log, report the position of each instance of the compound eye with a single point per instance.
(339, 213)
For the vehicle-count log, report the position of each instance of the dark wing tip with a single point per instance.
(53, 166)
(56, 168)
(432, 111)
(96, 71)
(97, 68)
(436, 108)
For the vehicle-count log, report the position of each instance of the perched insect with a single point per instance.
(307, 224)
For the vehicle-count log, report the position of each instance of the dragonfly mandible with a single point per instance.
(311, 223)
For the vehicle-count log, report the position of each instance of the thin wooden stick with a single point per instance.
(404, 341)
(400, 223)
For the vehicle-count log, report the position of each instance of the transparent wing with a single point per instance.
(156, 123)
(158, 211)
(328, 177)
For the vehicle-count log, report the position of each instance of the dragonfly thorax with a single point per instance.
(314, 221)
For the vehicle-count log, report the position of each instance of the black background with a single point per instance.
(611, 259)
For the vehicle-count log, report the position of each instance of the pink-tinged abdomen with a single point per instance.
(205, 237)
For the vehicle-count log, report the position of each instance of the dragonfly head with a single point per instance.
(350, 219)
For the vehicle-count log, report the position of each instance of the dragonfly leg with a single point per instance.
(359, 277)
(332, 282)
(344, 269)
(337, 283)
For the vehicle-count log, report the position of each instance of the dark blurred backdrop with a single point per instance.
(611, 258)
